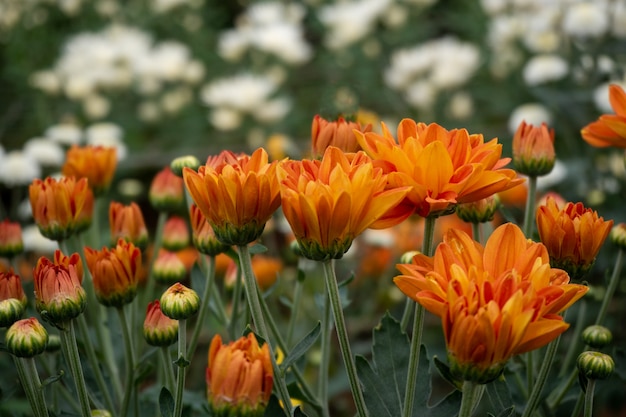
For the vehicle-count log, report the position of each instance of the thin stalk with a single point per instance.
(215, 293)
(529, 213)
(579, 404)
(477, 232)
(33, 376)
(50, 368)
(94, 362)
(204, 308)
(409, 307)
(252, 294)
(70, 351)
(295, 307)
(29, 386)
(168, 371)
(591, 386)
(182, 367)
(574, 348)
(418, 320)
(542, 376)
(148, 293)
(612, 286)
(342, 334)
(234, 314)
(129, 353)
(471, 395)
(322, 387)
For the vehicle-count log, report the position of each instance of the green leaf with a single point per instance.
(298, 412)
(507, 412)
(53, 378)
(273, 408)
(166, 403)
(257, 248)
(346, 281)
(444, 371)
(499, 396)
(301, 347)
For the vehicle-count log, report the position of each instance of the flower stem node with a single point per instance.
(597, 336)
(595, 365)
(179, 302)
(26, 338)
(181, 162)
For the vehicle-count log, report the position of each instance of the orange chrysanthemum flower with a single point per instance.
(126, 222)
(236, 194)
(494, 302)
(339, 133)
(443, 168)
(96, 163)
(533, 149)
(239, 377)
(573, 235)
(330, 202)
(609, 129)
(58, 206)
(115, 272)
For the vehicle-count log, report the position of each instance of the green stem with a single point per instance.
(542, 376)
(252, 294)
(166, 362)
(573, 348)
(470, 398)
(130, 362)
(94, 362)
(204, 308)
(529, 213)
(70, 351)
(215, 292)
(327, 327)
(295, 307)
(31, 373)
(612, 286)
(418, 320)
(234, 315)
(148, 294)
(591, 386)
(342, 334)
(579, 404)
(477, 232)
(30, 387)
(409, 306)
(182, 367)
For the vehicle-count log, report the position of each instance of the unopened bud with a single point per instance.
(26, 338)
(595, 365)
(597, 336)
(181, 162)
(179, 302)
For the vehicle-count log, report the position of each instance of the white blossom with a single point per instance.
(531, 113)
(18, 168)
(45, 151)
(545, 68)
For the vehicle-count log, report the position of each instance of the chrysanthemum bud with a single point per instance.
(597, 336)
(175, 234)
(618, 235)
(168, 268)
(158, 329)
(203, 236)
(480, 211)
(11, 243)
(11, 310)
(179, 302)
(26, 338)
(167, 191)
(188, 161)
(595, 365)
(533, 149)
(127, 222)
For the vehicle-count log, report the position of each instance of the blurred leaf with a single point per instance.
(301, 347)
(53, 378)
(257, 248)
(298, 412)
(166, 403)
(273, 408)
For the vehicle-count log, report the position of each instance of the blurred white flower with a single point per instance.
(34, 241)
(194, 72)
(558, 174)
(421, 94)
(601, 96)
(108, 135)
(272, 110)
(245, 92)
(232, 44)
(544, 68)
(225, 119)
(46, 81)
(618, 19)
(174, 100)
(164, 6)
(96, 106)
(461, 105)
(543, 42)
(586, 19)
(494, 7)
(65, 134)
(18, 168)
(46, 152)
(532, 113)
(148, 111)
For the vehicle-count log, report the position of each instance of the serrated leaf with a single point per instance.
(375, 400)
(166, 403)
(301, 347)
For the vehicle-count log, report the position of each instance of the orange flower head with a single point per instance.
(236, 194)
(59, 295)
(168, 268)
(494, 302)
(11, 243)
(12, 298)
(443, 168)
(533, 149)
(85, 216)
(203, 236)
(339, 133)
(96, 163)
(175, 234)
(331, 201)
(609, 129)
(239, 377)
(167, 191)
(158, 329)
(126, 222)
(573, 235)
(116, 272)
(58, 205)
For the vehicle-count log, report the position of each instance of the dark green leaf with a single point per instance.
(273, 408)
(507, 412)
(298, 412)
(347, 280)
(301, 347)
(166, 403)
(499, 395)
(444, 371)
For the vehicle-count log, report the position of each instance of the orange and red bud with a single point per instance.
(158, 329)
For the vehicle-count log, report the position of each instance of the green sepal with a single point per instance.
(444, 371)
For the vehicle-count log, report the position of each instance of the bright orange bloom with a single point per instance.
(443, 168)
(176, 234)
(494, 302)
(239, 377)
(339, 133)
(573, 235)
(330, 202)
(167, 191)
(236, 194)
(609, 129)
(203, 236)
(96, 163)
(115, 272)
(126, 222)
(533, 149)
(59, 295)
(58, 205)
(158, 329)
(11, 243)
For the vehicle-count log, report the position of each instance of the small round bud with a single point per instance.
(167, 191)
(597, 336)
(175, 234)
(26, 338)
(181, 162)
(11, 311)
(158, 329)
(407, 257)
(168, 268)
(481, 211)
(595, 365)
(179, 302)
(618, 235)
